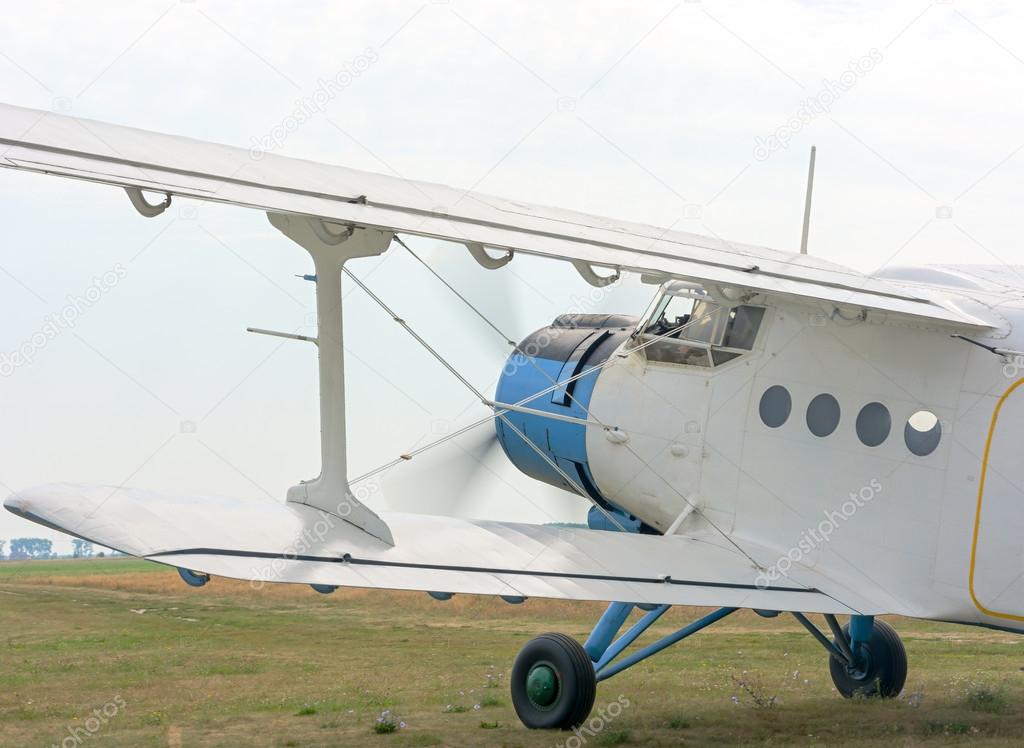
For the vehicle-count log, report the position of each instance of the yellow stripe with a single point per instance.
(977, 513)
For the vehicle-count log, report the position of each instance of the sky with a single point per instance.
(693, 114)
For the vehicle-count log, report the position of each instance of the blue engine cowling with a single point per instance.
(572, 344)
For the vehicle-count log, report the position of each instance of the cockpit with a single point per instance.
(685, 326)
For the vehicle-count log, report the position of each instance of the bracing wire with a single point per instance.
(501, 413)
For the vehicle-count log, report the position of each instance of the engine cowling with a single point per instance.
(569, 346)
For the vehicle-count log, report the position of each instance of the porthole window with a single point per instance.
(823, 415)
(922, 433)
(776, 405)
(873, 424)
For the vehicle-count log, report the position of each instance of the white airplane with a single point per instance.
(774, 432)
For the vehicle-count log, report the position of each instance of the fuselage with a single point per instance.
(881, 454)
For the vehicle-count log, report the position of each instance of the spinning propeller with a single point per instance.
(468, 475)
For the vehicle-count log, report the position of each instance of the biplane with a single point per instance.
(774, 432)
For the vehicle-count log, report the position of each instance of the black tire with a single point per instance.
(569, 704)
(885, 666)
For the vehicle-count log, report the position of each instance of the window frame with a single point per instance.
(720, 326)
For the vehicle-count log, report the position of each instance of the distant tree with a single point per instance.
(2, 544)
(81, 548)
(22, 548)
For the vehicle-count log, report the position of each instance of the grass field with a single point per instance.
(227, 665)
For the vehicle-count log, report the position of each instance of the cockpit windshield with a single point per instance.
(686, 327)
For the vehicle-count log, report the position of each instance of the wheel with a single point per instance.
(553, 683)
(883, 667)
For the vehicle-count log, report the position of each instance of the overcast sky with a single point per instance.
(693, 114)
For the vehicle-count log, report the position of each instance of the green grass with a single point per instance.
(227, 665)
(489, 701)
(18, 570)
(949, 728)
(985, 698)
(615, 737)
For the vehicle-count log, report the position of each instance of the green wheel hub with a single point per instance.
(542, 685)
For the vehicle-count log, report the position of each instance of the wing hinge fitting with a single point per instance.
(600, 281)
(144, 207)
(485, 260)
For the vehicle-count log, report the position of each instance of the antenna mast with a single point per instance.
(807, 202)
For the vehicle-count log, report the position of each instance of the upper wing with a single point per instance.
(85, 149)
(267, 541)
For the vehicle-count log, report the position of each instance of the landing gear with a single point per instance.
(553, 683)
(554, 678)
(879, 665)
(866, 657)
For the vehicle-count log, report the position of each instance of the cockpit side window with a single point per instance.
(706, 327)
(742, 326)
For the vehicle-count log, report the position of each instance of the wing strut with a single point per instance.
(330, 251)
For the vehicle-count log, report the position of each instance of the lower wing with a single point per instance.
(267, 541)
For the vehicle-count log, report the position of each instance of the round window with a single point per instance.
(873, 424)
(922, 433)
(775, 407)
(823, 415)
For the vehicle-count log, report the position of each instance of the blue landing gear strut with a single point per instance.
(603, 650)
(866, 657)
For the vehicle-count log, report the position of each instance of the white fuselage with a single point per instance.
(881, 517)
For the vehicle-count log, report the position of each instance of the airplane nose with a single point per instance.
(549, 370)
